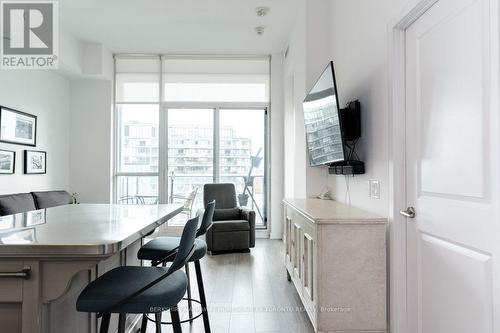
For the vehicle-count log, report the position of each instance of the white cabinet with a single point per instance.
(335, 256)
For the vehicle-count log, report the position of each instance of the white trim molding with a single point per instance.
(397, 161)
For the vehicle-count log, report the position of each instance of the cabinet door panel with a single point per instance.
(296, 250)
(308, 266)
(288, 239)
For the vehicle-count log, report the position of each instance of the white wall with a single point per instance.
(46, 95)
(276, 177)
(359, 46)
(90, 153)
(294, 133)
(80, 59)
(308, 54)
(71, 59)
(352, 33)
(317, 56)
(73, 105)
(74, 127)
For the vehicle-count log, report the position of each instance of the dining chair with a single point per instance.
(187, 201)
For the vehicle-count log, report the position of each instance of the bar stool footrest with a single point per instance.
(189, 320)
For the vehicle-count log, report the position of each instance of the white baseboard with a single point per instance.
(262, 233)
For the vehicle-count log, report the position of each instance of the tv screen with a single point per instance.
(325, 142)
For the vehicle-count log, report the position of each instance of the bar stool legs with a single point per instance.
(203, 300)
(121, 322)
(144, 323)
(190, 304)
(105, 323)
(176, 320)
(158, 322)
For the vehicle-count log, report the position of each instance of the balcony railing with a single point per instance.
(144, 190)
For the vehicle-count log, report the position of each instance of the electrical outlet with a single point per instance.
(374, 189)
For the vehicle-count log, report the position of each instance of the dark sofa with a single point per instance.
(25, 202)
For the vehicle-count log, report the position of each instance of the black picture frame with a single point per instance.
(28, 115)
(26, 156)
(13, 162)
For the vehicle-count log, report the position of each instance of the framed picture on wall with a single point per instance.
(7, 162)
(35, 162)
(17, 127)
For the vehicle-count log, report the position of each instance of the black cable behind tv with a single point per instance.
(350, 118)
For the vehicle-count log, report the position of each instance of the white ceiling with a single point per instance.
(181, 26)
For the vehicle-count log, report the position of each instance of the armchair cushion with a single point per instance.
(51, 199)
(230, 226)
(16, 203)
(227, 214)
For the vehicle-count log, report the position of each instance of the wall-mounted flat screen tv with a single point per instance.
(325, 142)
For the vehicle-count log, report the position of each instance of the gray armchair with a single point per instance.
(233, 228)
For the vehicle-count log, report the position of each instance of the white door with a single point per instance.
(452, 169)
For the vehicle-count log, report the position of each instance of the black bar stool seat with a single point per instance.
(158, 247)
(116, 285)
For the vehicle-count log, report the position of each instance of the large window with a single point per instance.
(206, 124)
(137, 111)
(139, 141)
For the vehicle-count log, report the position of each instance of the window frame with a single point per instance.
(164, 106)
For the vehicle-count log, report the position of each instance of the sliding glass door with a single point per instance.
(190, 157)
(216, 146)
(209, 145)
(242, 157)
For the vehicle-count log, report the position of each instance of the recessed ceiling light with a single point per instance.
(262, 11)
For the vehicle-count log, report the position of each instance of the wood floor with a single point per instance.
(247, 292)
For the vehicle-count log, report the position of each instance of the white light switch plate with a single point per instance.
(374, 189)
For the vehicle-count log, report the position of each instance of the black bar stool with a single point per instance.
(141, 290)
(159, 248)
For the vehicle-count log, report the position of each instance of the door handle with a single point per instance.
(409, 212)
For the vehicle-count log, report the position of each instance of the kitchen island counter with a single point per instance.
(48, 256)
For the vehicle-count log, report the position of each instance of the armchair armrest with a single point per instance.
(227, 214)
(249, 215)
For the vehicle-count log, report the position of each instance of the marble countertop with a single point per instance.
(331, 212)
(80, 230)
